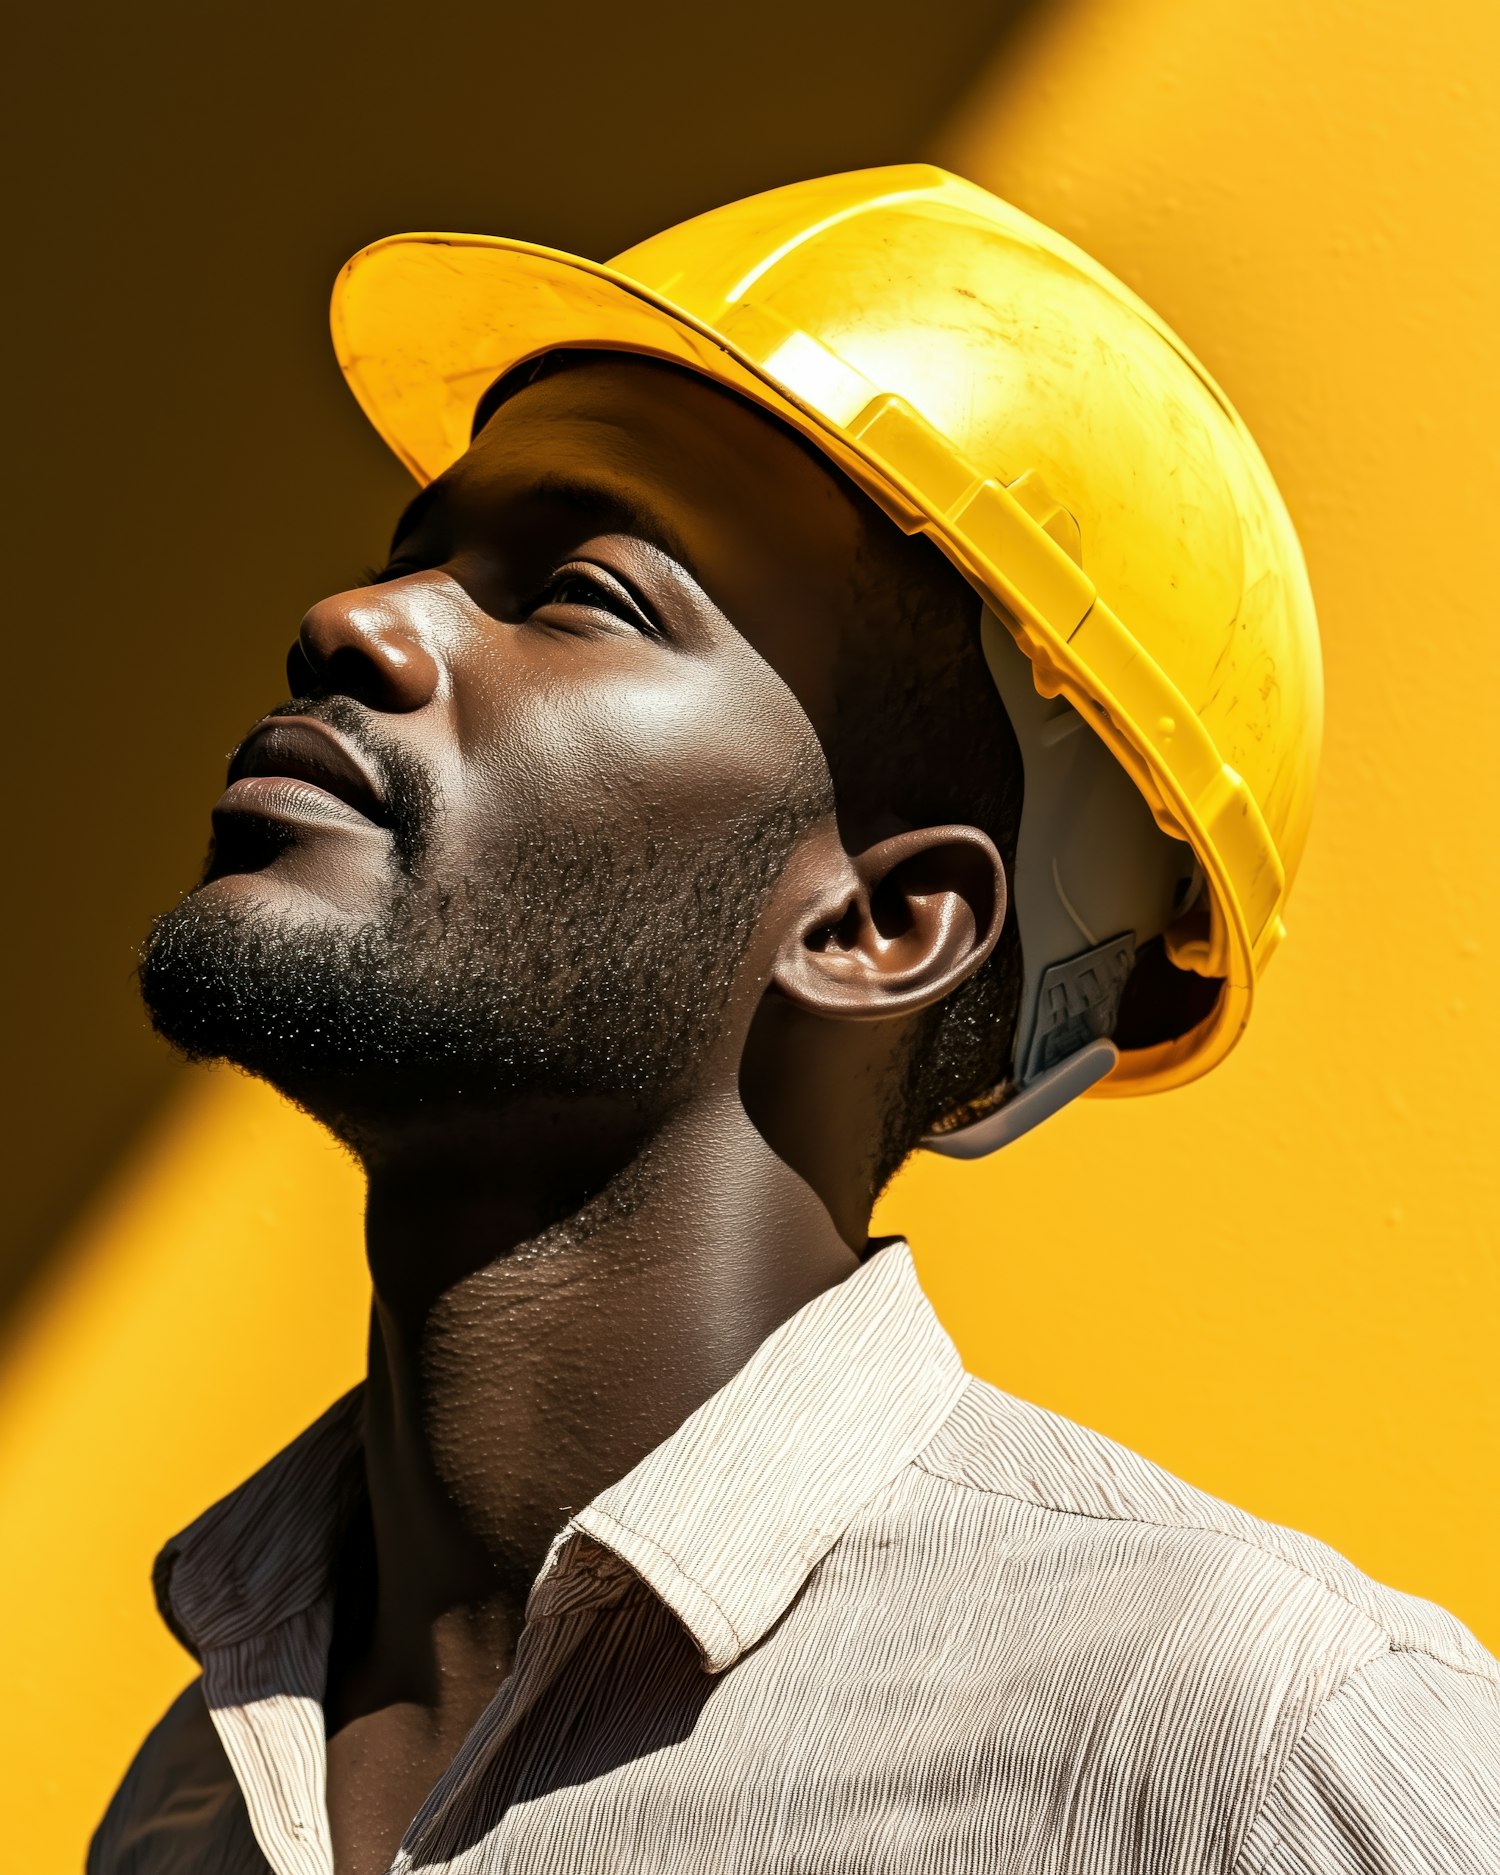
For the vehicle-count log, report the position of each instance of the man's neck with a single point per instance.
(522, 1358)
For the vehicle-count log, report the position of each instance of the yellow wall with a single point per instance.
(1281, 1282)
(223, 1267)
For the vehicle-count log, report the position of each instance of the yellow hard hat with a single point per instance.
(984, 382)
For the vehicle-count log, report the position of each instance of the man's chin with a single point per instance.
(560, 971)
(243, 970)
(339, 1014)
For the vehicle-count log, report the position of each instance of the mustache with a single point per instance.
(411, 793)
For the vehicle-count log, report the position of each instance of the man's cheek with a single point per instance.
(683, 754)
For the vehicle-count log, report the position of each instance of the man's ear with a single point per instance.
(907, 921)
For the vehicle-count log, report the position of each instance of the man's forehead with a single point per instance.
(628, 412)
(650, 449)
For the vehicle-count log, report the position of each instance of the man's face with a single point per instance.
(535, 785)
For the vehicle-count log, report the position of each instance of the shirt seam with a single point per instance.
(1290, 1722)
(1276, 1841)
(1239, 1866)
(1393, 1643)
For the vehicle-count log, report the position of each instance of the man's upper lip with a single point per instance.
(304, 749)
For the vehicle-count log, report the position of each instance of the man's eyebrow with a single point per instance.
(600, 502)
(411, 515)
(622, 510)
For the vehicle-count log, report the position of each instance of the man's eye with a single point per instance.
(576, 586)
(577, 589)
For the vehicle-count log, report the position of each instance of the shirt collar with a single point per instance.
(727, 1517)
(724, 1520)
(267, 1551)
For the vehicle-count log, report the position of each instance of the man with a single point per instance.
(856, 689)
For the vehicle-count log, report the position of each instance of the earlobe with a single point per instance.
(912, 917)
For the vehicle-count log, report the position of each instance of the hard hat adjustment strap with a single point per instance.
(1094, 877)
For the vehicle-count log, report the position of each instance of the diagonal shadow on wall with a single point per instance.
(189, 472)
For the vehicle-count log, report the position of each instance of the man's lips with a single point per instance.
(308, 754)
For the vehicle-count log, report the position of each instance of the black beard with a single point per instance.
(570, 970)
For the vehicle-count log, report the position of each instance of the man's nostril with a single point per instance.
(302, 679)
(351, 671)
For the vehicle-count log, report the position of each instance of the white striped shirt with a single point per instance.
(862, 1612)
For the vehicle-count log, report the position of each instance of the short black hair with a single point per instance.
(920, 731)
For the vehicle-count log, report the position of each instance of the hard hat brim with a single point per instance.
(423, 324)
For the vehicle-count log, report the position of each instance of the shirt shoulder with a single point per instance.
(1398, 1773)
(1025, 1455)
(1186, 1654)
(178, 1809)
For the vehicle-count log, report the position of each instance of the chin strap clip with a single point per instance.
(1037, 1101)
(1078, 1002)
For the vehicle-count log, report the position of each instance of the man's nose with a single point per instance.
(363, 644)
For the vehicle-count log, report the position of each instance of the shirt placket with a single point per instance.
(583, 1582)
(265, 1697)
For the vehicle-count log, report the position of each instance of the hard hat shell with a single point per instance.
(984, 382)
